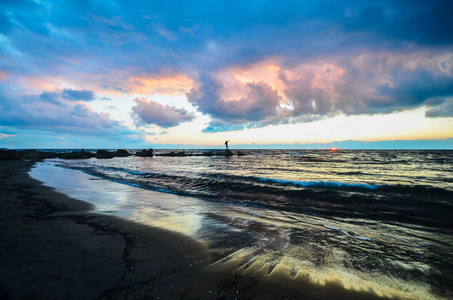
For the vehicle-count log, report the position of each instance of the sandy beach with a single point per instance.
(52, 247)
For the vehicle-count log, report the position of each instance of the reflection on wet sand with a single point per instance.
(296, 253)
(296, 273)
(183, 217)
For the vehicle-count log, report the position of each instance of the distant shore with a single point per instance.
(53, 247)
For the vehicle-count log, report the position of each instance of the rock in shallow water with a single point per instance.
(145, 153)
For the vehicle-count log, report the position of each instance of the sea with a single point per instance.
(378, 221)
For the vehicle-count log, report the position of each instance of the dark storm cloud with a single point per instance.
(371, 84)
(150, 112)
(260, 105)
(442, 110)
(151, 35)
(417, 88)
(379, 84)
(110, 42)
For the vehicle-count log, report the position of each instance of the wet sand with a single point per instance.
(52, 247)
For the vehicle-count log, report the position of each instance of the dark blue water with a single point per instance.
(377, 220)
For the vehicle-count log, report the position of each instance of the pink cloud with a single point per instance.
(367, 83)
(4, 135)
(161, 84)
(150, 112)
(3, 75)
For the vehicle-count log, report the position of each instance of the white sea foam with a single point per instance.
(332, 184)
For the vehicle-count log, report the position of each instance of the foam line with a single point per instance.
(333, 184)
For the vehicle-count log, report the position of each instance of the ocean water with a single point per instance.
(369, 220)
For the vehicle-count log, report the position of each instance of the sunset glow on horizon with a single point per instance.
(264, 74)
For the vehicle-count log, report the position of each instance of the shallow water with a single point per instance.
(377, 221)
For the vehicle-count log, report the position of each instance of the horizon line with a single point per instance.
(443, 144)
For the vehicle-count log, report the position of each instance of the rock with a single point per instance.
(10, 155)
(77, 155)
(228, 152)
(145, 153)
(209, 153)
(36, 155)
(179, 153)
(33, 155)
(123, 153)
(103, 154)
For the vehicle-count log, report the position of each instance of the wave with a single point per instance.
(91, 169)
(328, 184)
(416, 204)
(131, 182)
(276, 154)
(351, 173)
(133, 172)
(348, 234)
(213, 183)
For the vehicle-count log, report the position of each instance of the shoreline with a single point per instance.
(54, 247)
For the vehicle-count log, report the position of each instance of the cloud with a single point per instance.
(120, 89)
(370, 83)
(330, 58)
(219, 126)
(51, 97)
(161, 84)
(3, 74)
(40, 112)
(259, 105)
(443, 110)
(425, 22)
(97, 37)
(78, 95)
(4, 135)
(150, 112)
(57, 97)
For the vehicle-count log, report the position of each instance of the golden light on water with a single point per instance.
(297, 272)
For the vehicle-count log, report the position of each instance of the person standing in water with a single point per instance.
(226, 145)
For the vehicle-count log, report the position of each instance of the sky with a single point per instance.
(192, 74)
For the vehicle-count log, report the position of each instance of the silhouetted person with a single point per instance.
(226, 145)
